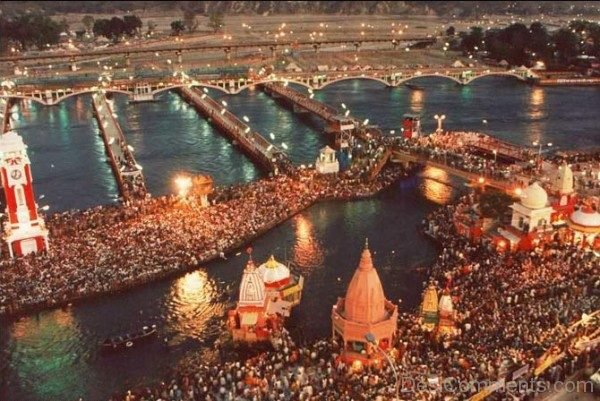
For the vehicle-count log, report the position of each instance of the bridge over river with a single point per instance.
(147, 84)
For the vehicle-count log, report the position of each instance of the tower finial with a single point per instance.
(366, 242)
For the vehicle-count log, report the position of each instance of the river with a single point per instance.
(53, 355)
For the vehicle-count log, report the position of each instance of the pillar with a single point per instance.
(273, 51)
(73, 65)
(316, 46)
(179, 54)
(127, 60)
(357, 46)
(394, 44)
(227, 51)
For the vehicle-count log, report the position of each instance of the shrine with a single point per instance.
(364, 310)
(327, 163)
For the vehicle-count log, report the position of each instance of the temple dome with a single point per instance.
(446, 303)
(365, 300)
(534, 197)
(586, 217)
(252, 288)
(273, 272)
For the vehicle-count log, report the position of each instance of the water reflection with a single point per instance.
(436, 186)
(194, 300)
(416, 100)
(48, 353)
(308, 251)
(537, 114)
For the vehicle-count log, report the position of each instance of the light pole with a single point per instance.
(495, 155)
(540, 144)
(370, 337)
(439, 121)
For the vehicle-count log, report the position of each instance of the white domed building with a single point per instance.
(585, 227)
(283, 289)
(533, 212)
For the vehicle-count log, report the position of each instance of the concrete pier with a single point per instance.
(256, 147)
(126, 170)
(8, 104)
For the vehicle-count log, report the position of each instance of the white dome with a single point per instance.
(586, 218)
(272, 271)
(534, 197)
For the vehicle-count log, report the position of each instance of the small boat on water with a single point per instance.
(128, 340)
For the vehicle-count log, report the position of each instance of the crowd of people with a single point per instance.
(512, 309)
(110, 248)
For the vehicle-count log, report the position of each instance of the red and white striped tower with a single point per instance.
(24, 231)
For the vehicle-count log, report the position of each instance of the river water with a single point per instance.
(53, 355)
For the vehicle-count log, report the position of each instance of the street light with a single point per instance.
(439, 121)
(495, 154)
(540, 144)
(370, 337)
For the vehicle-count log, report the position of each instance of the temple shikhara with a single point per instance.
(364, 312)
(24, 232)
(267, 295)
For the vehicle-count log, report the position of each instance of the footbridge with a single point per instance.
(52, 90)
(342, 126)
(505, 185)
(128, 173)
(260, 150)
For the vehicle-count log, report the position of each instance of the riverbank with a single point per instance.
(509, 311)
(92, 263)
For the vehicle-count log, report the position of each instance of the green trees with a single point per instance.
(88, 22)
(115, 28)
(30, 29)
(177, 27)
(520, 45)
(216, 21)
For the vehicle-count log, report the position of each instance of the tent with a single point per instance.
(293, 67)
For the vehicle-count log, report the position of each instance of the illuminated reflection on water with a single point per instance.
(308, 251)
(437, 185)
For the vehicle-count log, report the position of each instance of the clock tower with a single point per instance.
(24, 230)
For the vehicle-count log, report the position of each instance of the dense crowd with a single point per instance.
(511, 309)
(110, 248)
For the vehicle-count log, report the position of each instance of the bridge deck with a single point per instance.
(302, 101)
(252, 143)
(127, 172)
(504, 185)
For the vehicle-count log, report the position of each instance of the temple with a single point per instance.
(267, 295)
(429, 308)
(25, 231)
(364, 311)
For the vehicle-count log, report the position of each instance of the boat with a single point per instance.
(128, 340)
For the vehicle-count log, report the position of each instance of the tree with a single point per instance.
(566, 44)
(102, 28)
(32, 29)
(151, 26)
(64, 25)
(472, 39)
(88, 22)
(189, 20)
(131, 24)
(451, 31)
(116, 28)
(177, 27)
(215, 21)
